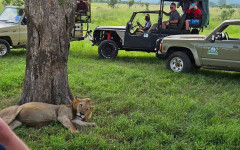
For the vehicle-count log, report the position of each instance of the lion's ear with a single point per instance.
(91, 107)
(75, 101)
(88, 99)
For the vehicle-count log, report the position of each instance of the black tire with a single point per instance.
(4, 47)
(179, 62)
(160, 56)
(108, 49)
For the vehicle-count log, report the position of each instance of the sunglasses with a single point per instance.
(171, 7)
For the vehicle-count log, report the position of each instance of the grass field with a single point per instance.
(139, 104)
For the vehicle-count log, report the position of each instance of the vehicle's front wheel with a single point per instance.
(179, 62)
(4, 47)
(108, 49)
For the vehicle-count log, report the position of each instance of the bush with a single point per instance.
(112, 3)
(147, 6)
(131, 3)
(227, 14)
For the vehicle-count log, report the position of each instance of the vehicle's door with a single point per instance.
(137, 40)
(145, 41)
(224, 52)
(23, 31)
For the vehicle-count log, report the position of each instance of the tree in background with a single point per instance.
(131, 3)
(227, 12)
(147, 6)
(13, 2)
(112, 3)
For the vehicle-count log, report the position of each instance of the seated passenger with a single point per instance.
(184, 4)
(193, 14)
(82, 7)
(19, 16)
(173, 16)
(144, 28)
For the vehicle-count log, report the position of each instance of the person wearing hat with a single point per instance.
(144, 28)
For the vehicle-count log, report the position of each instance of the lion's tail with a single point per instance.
(10, 113)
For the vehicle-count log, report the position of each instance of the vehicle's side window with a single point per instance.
(233, 31)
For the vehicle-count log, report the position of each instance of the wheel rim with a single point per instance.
(108, 51)
(176, 64)
(3, 49)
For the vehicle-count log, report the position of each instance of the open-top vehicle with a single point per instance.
(219, 49)
(112, 39)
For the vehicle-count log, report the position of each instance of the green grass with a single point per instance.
(139, 104)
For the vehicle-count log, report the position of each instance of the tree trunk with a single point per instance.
(50, 23)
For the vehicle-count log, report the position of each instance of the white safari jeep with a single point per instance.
(13, 29)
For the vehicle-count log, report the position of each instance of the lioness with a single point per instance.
(38, 114)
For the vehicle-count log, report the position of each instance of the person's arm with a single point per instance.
(165, 13)
(179, 4)
(9, 139)
(199, 14)
(147, 27)
(139, 24)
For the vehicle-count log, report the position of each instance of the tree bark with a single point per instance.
(50, 23)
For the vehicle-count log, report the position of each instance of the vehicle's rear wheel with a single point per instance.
(179, 62)
(4, 47)
(108, 49)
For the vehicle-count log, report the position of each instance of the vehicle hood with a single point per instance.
(111, 28)
(4, 25)
(186, 36)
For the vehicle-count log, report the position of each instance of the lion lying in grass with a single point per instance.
(38, 114)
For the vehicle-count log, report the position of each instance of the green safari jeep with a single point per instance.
(13, 29)
(218, 50)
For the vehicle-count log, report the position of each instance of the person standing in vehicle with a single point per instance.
(173, 16)
(194, 15)
(184, 5)
(145, 28)
(82, 7)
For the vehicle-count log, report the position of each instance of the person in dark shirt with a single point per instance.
(82, 7)
(173, 16)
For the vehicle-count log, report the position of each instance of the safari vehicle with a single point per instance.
(13, 29)
(218, 50)
(112, 39)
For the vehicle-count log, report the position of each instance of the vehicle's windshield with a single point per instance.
(11, 15)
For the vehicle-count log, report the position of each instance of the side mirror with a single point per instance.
(213, 38)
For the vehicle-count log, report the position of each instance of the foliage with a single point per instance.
(147, 6)
(131, 3)
(112, 3)
(13, 2)
(227, 12)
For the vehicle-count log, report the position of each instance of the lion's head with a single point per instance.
(83, 108)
